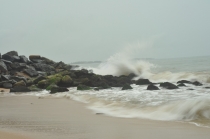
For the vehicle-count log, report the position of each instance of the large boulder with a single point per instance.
(20, 83)
(5, 77)
(39, 78)
(20, 89)
(35, 58)
(56, 89)
(143, 82)
(7, 85)
(8, 57)
(168, 85)
(126, 87)
(43, 67)
(12, 53)
(23, 59)
(66, 81)
(34, 88)
(152, 87)
(3, 66)
(83, 87)
(196, 83)
(43, 84)
(31, 72)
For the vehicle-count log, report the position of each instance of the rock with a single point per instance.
(20, 89)
(54, 78)
(184, 81)
(16, 58)
(24, 59)
(39, 78)
(6, 62)
(50, 86)
(34, 57)
(104, 85)
(152, 87)
(17, 78)
(7, 85)
(47, 61)
(190, 89)
(66, 81)
(143, 82)
(56, 89)
(80, 73)
(34, 88)
(29, 82)
(18, 66)
(83, 87)
(8, 57)
(42, 73)
(5, 77)
(43, 84)
(12, 53)
(97, 89)
(131, 75)
(31, 72)
(126, 87)
(196, 83)
(181, 85)
(207, 87)
(168, 85)
(20, 83)
(43, 67)
(3, 67)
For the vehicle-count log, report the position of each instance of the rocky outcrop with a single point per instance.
(152, 87)
(126, 87)
(168, 85)
(83, 87)
(143, 82)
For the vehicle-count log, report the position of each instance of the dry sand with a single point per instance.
(51, 118)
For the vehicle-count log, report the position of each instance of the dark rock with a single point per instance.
(31, 72)
(24, 59)
(6, 62)
(43, 67)
(7, 85)
(12, 53)
(43, 84)
(16, 58)
(34, 57)
(8, 57)
(9, 81)
(104, 85)
(18, 66)
(184, 81)
(152, 87)
(39, 78)
(29, 82)
(207, 87)
(5, 77)
(80, 73)
(143, 82)
(83, 87)
(97, 89)
(34, 88)
(66, 81)
(20, 83)
(20, 89)
(3, 67)
(196, 83)
(42, 73)
(47, 61)
(190, 89)
(126, 87)
(131, 75)
(56, 89)
(168, 85)
(181, 85)
(17, 78)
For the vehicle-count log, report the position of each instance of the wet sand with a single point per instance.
(61, 118)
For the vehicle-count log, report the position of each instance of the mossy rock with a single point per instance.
(126, 87)
(51, 86)
(20, 83)
(34, 88)
(56, 89)
(66, 79)
(54, 78)
(43, 84)
(83, 87)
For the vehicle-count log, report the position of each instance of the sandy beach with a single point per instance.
(61, 118)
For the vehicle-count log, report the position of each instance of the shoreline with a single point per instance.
(53, 118)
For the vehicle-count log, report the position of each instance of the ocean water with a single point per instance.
(187, 104)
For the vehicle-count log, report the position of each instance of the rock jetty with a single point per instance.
(21, 74)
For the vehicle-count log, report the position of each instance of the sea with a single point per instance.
(190, 104)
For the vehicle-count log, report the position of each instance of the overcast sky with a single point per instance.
(76, 30)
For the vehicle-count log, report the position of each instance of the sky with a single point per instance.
(88, 30)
